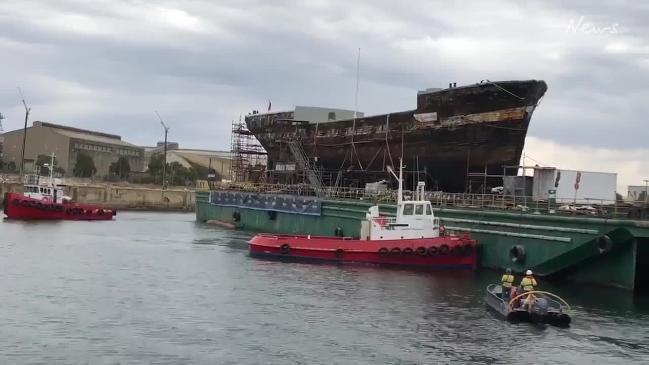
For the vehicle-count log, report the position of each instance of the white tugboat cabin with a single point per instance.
(45, 189)
(414, 218)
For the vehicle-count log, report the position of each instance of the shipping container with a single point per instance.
(572, 186)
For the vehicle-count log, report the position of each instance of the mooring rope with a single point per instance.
(502, 88)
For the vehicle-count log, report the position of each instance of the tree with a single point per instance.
(180, 175)
(120, 168)
(11, 166)
(85, 166)
(177, 174)
(155, 166)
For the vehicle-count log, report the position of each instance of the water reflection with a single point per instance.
(160, 288)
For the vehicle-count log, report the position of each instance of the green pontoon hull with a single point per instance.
(610, 252)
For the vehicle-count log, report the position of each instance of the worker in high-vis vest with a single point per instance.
(528, 283)
(507, 281)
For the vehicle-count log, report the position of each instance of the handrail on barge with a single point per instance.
(599, 208)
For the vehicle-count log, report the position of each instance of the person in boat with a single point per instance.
(528, 284)
(507, 281)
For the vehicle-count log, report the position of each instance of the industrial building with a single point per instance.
(200, 160)
(67, 143)
(638, 193)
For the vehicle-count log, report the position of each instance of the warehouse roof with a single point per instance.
(83, 134)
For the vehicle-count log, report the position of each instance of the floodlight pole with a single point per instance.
(27, 110)
(164, 166)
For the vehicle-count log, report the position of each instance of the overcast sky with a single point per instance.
(107, 65)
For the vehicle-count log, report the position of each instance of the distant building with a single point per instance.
(67, 143)
(158, 148)
(638, 193)
(200, 160)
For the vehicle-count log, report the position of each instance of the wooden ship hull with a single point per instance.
(453, 132)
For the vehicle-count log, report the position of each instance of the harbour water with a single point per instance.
(161, 288)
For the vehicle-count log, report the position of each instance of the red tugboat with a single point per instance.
(413, 238)
(43, 199)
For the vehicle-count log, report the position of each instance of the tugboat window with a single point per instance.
(429, 211)
(407, 209)
(419, 209)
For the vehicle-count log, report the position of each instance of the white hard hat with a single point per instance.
(528, 272)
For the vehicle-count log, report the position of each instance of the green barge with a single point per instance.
(594, 250)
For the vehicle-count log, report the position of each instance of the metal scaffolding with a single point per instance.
(248, 157)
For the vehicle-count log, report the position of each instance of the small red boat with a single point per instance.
(44, 199)
(413, 238)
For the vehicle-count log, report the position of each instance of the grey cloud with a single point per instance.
(305, 53)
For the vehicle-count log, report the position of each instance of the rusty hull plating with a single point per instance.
(451, 132)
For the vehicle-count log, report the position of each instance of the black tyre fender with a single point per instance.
(15, 202)
(517, 254)
(457, 250)
(340, 253)
(383, 251)
(421, 251)
(395, 251)
(604, 244)
(285, 249)
(408, 251)
(443, 249)
(433, 250)
(236, 216)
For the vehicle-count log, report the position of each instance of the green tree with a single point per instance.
(85, 166)
(155, 166)
(178, 174)
(120, 168)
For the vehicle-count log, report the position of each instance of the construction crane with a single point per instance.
(2, 117)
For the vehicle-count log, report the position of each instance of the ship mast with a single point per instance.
(52, 170)
(358, 66)
(400, 179)
(400, 197)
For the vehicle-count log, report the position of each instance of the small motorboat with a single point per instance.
(414, 238)
(533, 307)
